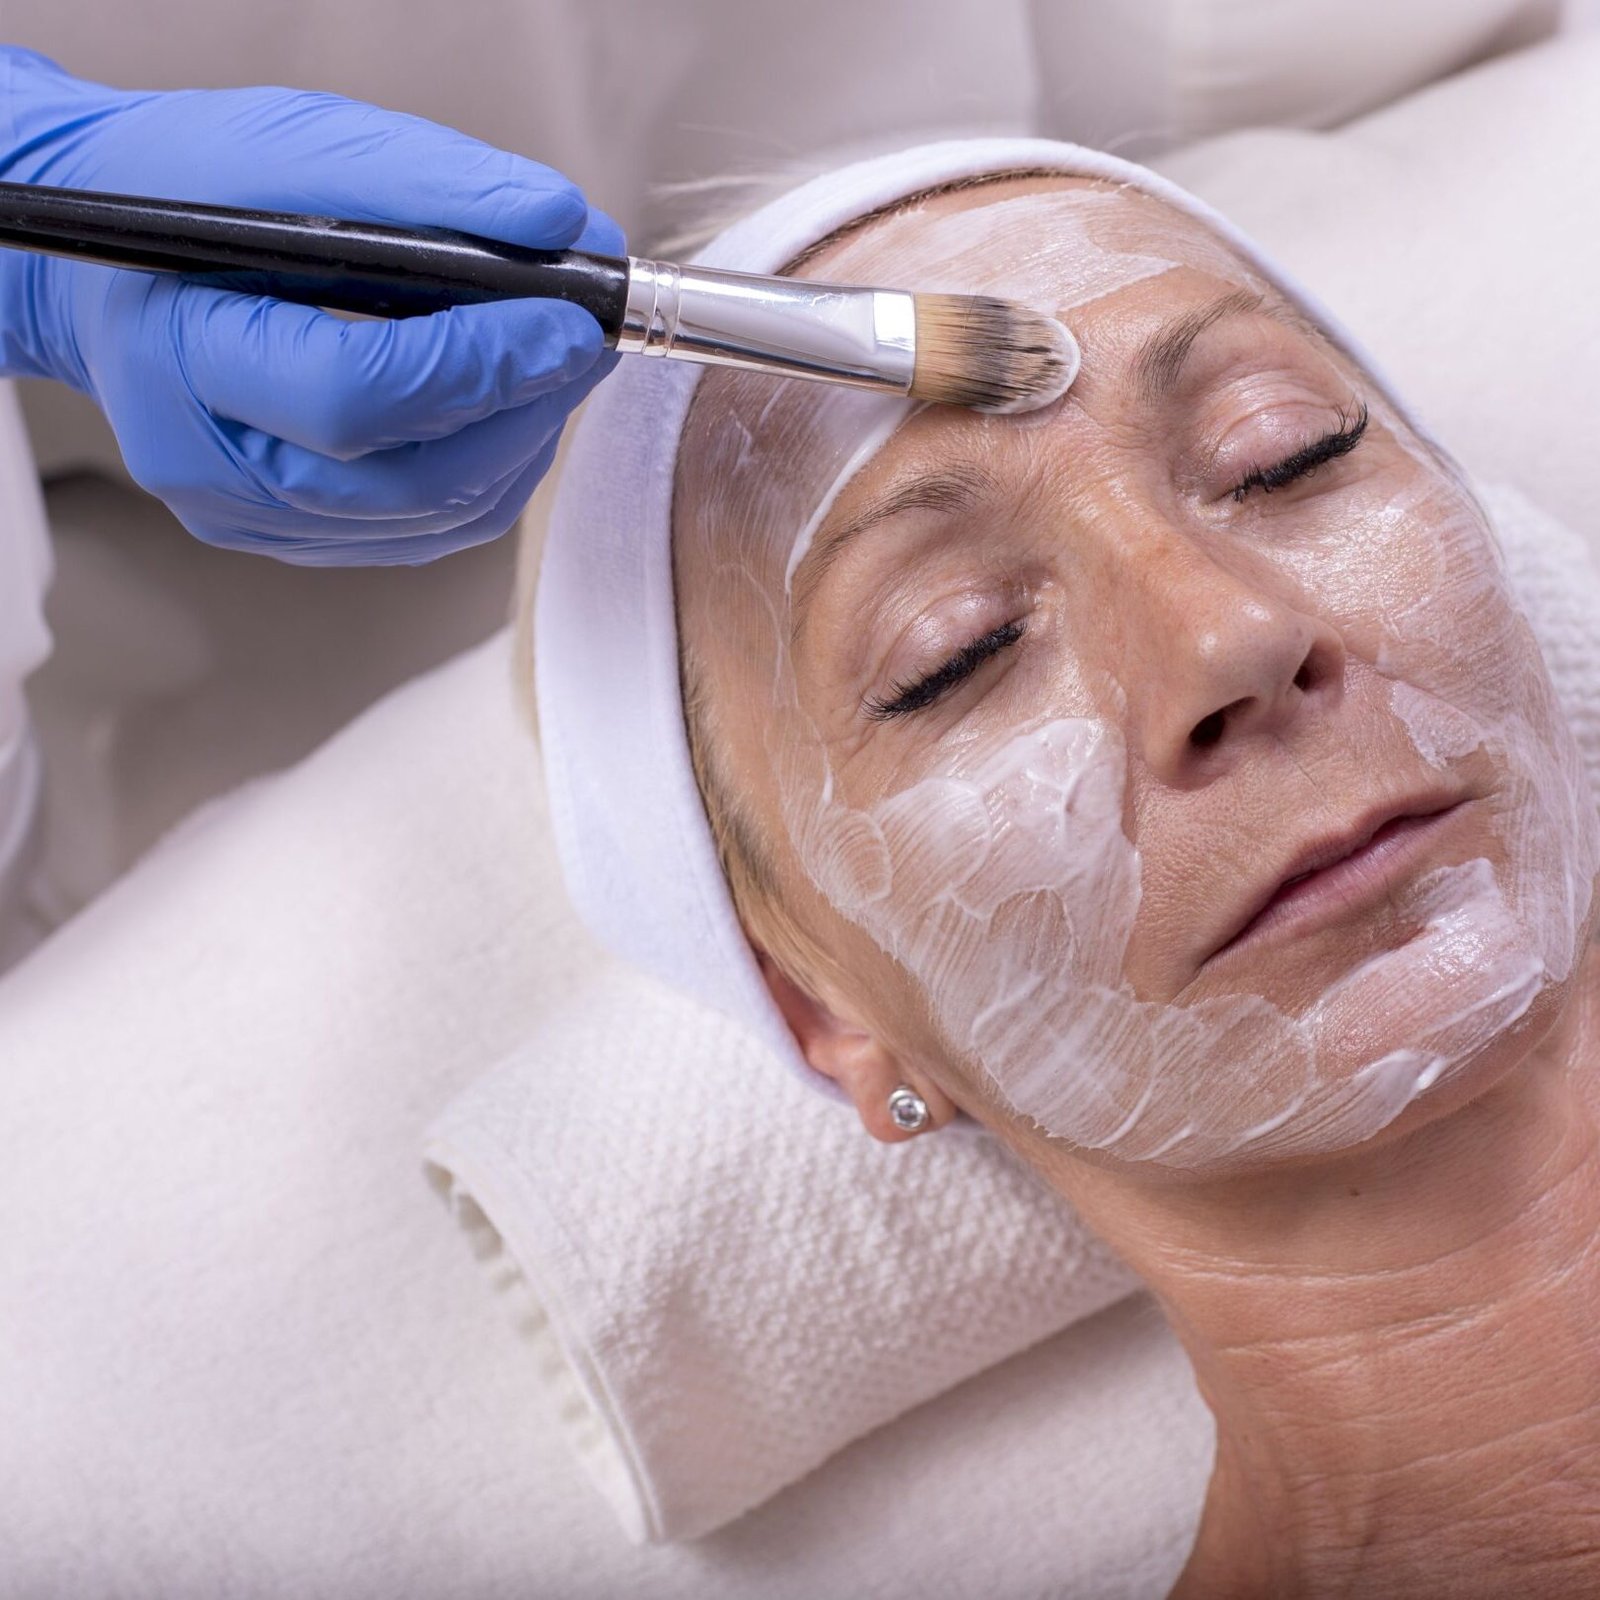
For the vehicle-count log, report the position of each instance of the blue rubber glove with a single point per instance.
(275, 427)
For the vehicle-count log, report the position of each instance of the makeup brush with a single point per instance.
(964, 350)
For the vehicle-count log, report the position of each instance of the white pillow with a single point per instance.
(1456, 235)
(225, 1283)
(1145, 75)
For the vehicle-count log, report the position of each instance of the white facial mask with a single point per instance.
(1002, 879)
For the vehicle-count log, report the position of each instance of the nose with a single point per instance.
(1227, 661)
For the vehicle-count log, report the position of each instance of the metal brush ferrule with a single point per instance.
(863, 337)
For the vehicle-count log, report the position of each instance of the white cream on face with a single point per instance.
(1002, 879)
(1005, 885)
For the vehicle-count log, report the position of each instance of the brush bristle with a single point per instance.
(991, 355)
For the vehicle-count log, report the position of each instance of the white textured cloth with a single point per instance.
(630, 827)
(1555, 574)
(741, 1281)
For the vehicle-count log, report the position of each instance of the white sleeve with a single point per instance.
(25, 568)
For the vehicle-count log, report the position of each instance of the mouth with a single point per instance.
(1340, 874)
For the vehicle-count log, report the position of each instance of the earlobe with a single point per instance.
(857, 1061)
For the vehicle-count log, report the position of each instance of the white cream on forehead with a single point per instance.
(1045, 250)
(878, 433)
(1003, 882)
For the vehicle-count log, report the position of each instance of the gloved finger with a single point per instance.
(344, 388)
(336, 157)
(233, 502)
(402, 545)
(490, 523)
(601, 236)
(442, 477)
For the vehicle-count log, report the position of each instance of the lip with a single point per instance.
(1342, 873)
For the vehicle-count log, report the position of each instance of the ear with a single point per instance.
(852, 1057)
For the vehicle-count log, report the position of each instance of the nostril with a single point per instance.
(1315, 668)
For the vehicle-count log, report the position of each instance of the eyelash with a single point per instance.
(1307, 459)
(904, 699)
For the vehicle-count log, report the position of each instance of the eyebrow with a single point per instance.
(950, 490)
(1158, 363)
(1156, 368)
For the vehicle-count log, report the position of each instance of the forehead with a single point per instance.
(761, 462)
(1041, 237)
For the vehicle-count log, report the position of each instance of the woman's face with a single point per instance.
(1032, 721)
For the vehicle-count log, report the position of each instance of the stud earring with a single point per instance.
(908, 1110)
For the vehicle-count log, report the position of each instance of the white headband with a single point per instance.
(630, 828)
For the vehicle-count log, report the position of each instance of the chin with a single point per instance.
(1513, 1051)
(1516, 1049)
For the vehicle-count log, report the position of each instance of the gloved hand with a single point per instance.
(277, 427)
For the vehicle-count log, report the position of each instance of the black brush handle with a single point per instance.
(320, 261)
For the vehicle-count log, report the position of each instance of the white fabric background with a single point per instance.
(626, 96)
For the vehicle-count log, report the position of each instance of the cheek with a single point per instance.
(1403, 564)
(1409, 572)
(992, 884)
(816, 929)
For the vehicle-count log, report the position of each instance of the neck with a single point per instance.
(1401, 1348)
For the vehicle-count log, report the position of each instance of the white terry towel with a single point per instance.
(734, 1281)
(740, 1281)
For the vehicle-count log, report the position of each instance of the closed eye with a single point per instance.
(905, 698)
(1307, 459)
